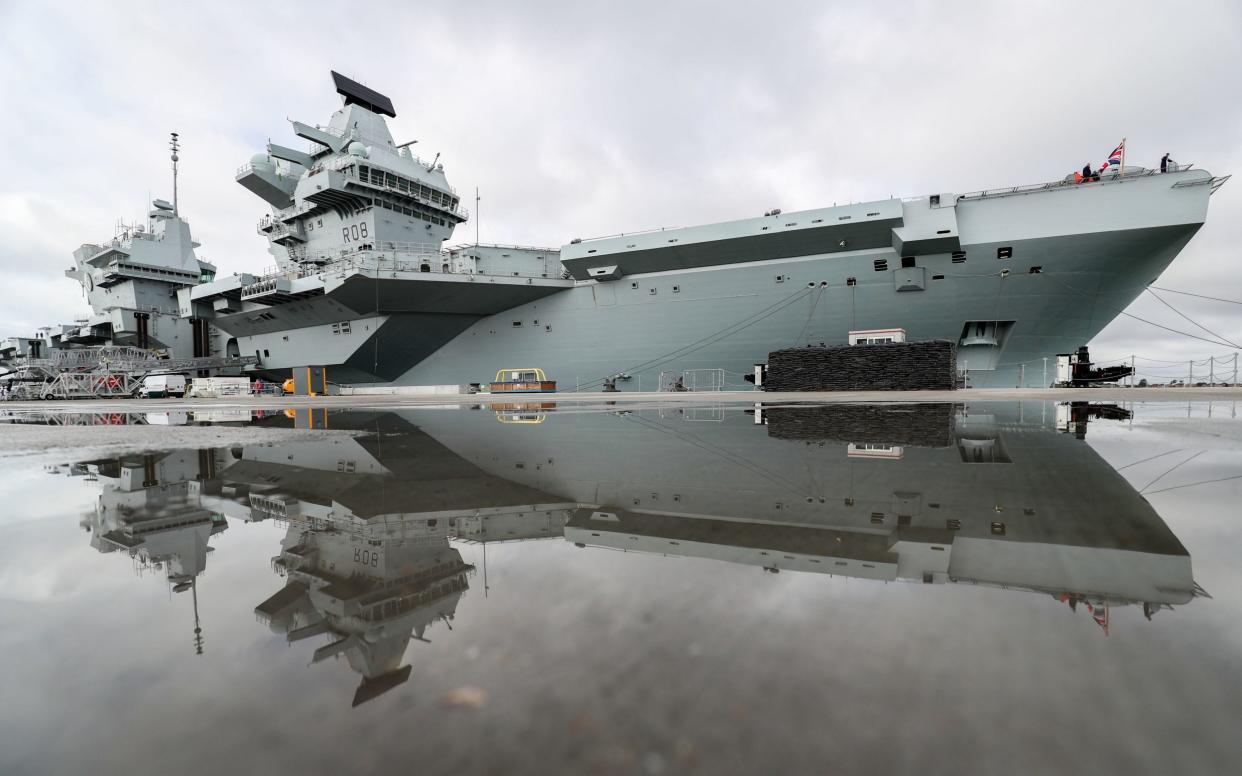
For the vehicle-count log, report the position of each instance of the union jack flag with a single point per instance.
(1114, 159)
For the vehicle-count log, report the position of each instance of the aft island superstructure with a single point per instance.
(363, 285)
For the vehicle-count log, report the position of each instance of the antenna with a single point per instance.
(175, 145)
(198, 629)
(432, 166)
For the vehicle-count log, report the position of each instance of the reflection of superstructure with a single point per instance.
(370, 585)
(150, 508)
(367, 554)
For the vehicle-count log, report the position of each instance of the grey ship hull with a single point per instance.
(1074, 258)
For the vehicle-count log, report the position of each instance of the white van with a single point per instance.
(161, 386)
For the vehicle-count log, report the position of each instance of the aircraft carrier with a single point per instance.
(363, 284)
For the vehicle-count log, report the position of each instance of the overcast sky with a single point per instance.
(582, 119)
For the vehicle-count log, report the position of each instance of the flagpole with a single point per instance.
(1123, 157)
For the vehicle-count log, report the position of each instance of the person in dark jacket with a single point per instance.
(1164, 163)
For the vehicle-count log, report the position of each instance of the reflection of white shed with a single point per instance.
(873, 450)
(877, 336)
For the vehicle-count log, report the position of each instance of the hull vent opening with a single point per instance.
(981, 343)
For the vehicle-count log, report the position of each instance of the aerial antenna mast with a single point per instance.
(175, 145)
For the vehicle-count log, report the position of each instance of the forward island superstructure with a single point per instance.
(363, 285)
(130, 282)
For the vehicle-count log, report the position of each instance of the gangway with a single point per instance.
(103, 372)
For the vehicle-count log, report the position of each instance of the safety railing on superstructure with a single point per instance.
(392, 257)
(1070, 182)
(578, 240)
(348, 166)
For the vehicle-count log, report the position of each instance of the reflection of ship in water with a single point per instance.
(150, 507)
(366, 555)
(370, 585)
(992, 495)
(986, 495)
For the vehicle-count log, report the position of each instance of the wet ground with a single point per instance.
(564, 587)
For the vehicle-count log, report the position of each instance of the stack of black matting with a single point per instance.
(894, 366)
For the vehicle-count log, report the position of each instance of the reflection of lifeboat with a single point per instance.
(522, 412)
(514, 416)
(522, 381)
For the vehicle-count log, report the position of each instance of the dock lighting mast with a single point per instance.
(175, 145)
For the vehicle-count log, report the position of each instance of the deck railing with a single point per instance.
(1069, 181)
(393, 257)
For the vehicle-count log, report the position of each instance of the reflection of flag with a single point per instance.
(1099, 613)
(1114, 159)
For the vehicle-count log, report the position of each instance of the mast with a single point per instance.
(198, 629)
(175, 145)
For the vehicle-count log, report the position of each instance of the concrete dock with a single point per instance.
(393, 401)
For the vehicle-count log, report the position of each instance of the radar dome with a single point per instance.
(358, 149)
(262, 162)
